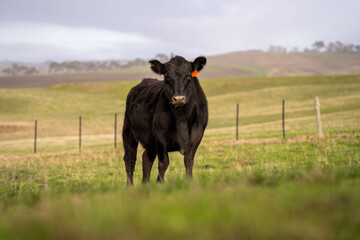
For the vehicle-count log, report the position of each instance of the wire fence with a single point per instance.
(114, 126)
(80, 133)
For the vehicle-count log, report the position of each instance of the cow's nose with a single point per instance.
(179, 100)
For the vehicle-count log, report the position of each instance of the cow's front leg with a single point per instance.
(196, 136)
(163, 163)
(189, 162)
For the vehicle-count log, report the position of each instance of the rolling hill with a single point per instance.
(230, 65)
(289, 64)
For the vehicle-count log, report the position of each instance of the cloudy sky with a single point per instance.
(39, 30)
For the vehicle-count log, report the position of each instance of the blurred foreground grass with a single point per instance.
(297, 190)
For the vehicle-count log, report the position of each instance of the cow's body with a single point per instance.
(162, 126)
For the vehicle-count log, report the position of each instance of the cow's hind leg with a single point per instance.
(148, 158)
(130, 146)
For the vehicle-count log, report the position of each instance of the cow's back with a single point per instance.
(140, 107)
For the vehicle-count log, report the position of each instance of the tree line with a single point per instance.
(84, 66)
(320, 46)
(17, 69)
(77, 66)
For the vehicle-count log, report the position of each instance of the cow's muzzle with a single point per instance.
(179, 100)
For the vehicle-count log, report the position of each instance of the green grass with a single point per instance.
(259, 187)
(256, 71)
(303, 190)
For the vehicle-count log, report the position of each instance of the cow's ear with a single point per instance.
(157, 66)
(199, 63)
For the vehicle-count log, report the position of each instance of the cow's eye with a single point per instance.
(188, 78)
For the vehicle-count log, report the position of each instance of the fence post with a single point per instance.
(237, 121)
(283, 118)
(318, 117)
(35, 136)
(79, 133)
(115, 130)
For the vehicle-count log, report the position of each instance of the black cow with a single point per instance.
(165, 116)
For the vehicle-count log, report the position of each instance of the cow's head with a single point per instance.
(178, 76)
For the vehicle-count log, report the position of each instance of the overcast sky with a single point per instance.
(39, 30)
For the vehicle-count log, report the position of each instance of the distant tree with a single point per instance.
(74, 66)
(339, 47)
(330, 48)
(114, 65)
(23, 69)
(91, 66)
(8, 71)
(318, 45)
(15, 68)
(31, 70)
(54, 66)
(18, 69)
(272, 49)
(277, 49)
(102, 65)
(136, 62)
(63, 66)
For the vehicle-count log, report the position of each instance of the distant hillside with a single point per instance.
(283, 64)
(236, 64)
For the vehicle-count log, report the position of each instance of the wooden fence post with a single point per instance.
(35, 136)
(318, 117)
(283, 118)
(237, 121)
(79, 133)
(115, 130)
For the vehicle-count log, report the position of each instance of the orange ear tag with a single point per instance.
(194, 73)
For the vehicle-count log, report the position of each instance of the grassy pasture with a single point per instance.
(258, 187)
(58, 108)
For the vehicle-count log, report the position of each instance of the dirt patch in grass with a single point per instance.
(11, 128)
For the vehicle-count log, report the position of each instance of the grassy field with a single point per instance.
(258, 187)
(58, 108)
